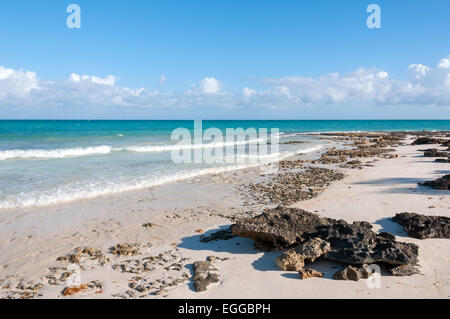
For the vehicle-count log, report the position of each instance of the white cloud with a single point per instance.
(209, 85)
(248, 93)
(424, 86)
(16, 83)
(109, 80)
(444, 63)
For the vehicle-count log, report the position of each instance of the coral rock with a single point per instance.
(422, 226)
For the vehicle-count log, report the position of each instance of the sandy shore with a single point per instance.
(177, 215)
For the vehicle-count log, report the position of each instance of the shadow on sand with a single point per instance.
(264, 262)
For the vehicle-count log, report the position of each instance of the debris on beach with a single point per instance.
(353, 164)
(204, 274)
(92, 286)
(128, 249)
(291, 187)
(422, 226)
(85, 255)
(353, 244)
(442, 183)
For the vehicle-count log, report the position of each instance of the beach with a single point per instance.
(143, 243)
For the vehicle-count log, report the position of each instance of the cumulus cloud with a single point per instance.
(109, 80)
(16, 83)
(423, 86)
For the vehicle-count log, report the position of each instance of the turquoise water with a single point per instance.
(48, 162)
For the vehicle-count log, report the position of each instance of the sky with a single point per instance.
(217, 59)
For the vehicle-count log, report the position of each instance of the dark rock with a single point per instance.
(204, 275)
(279, 228)
(223, 234)
(354, 273)
(442, 183)
(350, 243)
(357, 244)
(433, 152)
(421, 226)
(427, 140)
(442, 160)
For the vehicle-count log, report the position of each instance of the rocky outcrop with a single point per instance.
(427, 140)
(434, 152)
(353, 244)
(279, 228)
(442, 183)
(442, 160)
(204, 275)
(309, 273)
(354, 273)
(421, 226)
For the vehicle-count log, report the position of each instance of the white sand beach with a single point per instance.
(31, 239)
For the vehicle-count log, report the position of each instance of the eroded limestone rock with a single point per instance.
(422, 226)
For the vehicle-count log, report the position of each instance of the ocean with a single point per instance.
(49, 162)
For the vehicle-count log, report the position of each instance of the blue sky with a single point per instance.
(211, 51)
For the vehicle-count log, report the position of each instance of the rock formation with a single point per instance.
(354, 273)
(442, 183)
(421, 226)
(354, 244)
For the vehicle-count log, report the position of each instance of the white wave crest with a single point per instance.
(63, 195)
(56, 153)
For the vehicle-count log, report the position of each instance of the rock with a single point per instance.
(421, 226)
(290, 261)
(128, 249)
(355, 243)
(279, 228)
(325, 159)
(307, 252)
(290, 187)
(353, 273)
(433, 152)
(427, 140)
(309, 273)
(313, 249)
(404, 270)
(223, 234)
(442, 183)
(442, 160)
(80, 255)
(362, 152)
(204, 275)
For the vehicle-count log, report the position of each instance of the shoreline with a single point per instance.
(180, 213)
